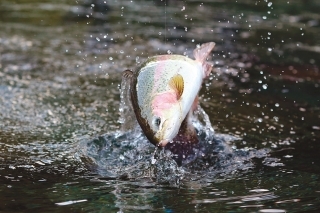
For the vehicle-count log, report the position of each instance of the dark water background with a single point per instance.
(61, 148)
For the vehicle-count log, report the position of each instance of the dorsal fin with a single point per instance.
(177, 84)
(127, 74)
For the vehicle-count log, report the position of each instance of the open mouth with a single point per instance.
(163, 143)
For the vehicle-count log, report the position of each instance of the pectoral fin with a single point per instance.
(177, 84)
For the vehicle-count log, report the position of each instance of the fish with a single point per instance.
(164, 94)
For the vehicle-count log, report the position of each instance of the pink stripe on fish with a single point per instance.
(163, 102)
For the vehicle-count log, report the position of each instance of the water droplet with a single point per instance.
(153, 161)
(265, 86)
(12, 167)
(110, 58)
(277, 104)
(269, 4)
(316, 127)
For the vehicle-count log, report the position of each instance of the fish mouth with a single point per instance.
(163, 143)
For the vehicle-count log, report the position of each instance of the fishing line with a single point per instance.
(165, 22)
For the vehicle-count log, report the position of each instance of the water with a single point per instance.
(65, 147)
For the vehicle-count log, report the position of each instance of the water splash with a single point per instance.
(127, 153)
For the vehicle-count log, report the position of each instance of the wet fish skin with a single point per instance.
(164, 93)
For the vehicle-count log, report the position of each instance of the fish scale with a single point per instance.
(147, 83)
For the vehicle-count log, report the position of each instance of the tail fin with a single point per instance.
(201, 53)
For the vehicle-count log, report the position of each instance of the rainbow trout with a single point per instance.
(164, 93)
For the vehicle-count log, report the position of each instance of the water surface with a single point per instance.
(62, 146)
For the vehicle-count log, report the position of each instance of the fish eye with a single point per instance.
(157, 121)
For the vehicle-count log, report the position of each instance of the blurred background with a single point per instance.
(60, 75)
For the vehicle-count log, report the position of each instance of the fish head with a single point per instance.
(167, 117)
